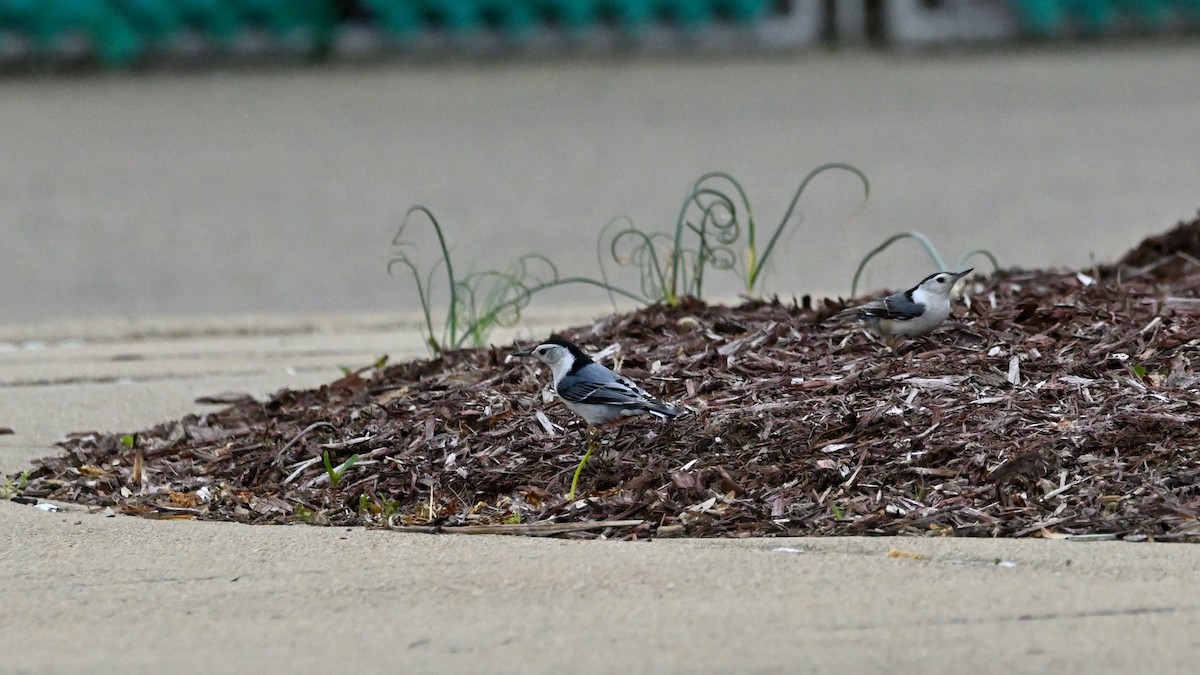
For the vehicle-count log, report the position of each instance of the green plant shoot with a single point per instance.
(479, 301)
(714, 217)
(336, 474)
(929, 248)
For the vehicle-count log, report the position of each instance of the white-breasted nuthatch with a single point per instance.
(914, 312)
(590, 390)
(594, 392)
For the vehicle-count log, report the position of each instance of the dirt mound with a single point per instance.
(1051, 405)
(1170, 255)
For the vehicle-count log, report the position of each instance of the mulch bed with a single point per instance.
(1051, 404)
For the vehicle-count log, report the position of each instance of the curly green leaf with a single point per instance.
(755, 271)
(910, 234)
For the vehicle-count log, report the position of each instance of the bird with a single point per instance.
(915, 312)
(594, 392)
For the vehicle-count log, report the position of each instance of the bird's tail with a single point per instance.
(849, 311)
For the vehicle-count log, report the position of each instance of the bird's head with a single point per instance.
(941, 284)
(560, 355)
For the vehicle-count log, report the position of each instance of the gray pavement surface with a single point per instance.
(279, 190)
(90, 594)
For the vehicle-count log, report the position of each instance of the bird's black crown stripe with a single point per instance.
(581, 359)
(910, 291)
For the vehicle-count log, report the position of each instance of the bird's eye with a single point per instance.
(941, 280)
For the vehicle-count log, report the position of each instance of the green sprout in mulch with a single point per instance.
(929, 248)
(593, 444)
(717, 217)
(716, 213)
(336, 473)
(1023, 416)
(15, 485)
(478, 302)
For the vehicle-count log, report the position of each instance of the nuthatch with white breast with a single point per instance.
(917, 311)
(594, 392)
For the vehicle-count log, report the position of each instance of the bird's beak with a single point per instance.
(964, 273)
(518, 354)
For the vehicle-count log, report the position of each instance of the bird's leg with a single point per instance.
(925, 344)
(593, 442)
(879, 339)
(903, 345)
(893, 343)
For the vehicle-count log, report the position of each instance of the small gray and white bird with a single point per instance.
(590, 390)
(594, 392)
(917, 311)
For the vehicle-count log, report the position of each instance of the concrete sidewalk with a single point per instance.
(85, 592)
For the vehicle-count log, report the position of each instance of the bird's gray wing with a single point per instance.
(598, 385)
(897, 307)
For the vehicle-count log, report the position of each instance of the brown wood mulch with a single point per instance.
(1051, 404)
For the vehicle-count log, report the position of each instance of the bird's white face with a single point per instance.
(940, 285)
(556, 356)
